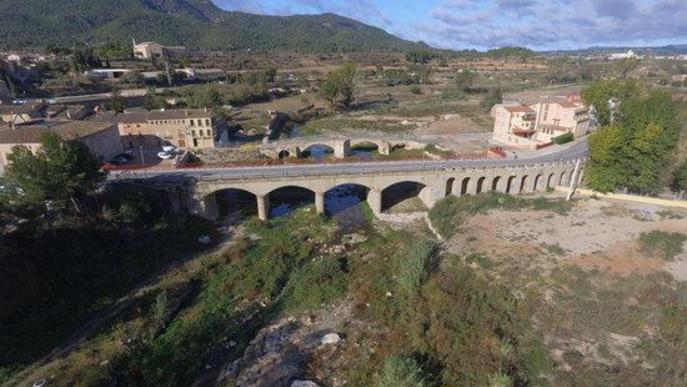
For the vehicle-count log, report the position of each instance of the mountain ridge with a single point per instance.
(198, 24)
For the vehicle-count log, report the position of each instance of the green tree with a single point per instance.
(116, 103)
(495, 96)
(464, 80)
(53, 180)
(605, 96)
(151, 101)
(340, 86)
(635, 151)
(205, 97)
(680, 178)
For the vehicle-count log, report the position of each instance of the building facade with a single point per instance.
(519, 125)
(102, 139)
(180, 128)
(150, 50)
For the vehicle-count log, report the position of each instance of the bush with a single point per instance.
(415, 89)
(563, 138)
(665, 244)
(414, 267)
(401, 371)
(680, 178)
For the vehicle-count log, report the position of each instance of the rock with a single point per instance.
(330, 338)
(354, 239)
(304, 383)
(389, 294)
(205, 239)
(232, 344)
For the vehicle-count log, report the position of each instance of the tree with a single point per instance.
(133, 78)
(116, 103)
(340, 86)
(205, 97)
(495, 96)
(606, 96)
(464, 80)
(680, 178)
(635, 150)
(54, 179)
(151, 101)
(419, 56)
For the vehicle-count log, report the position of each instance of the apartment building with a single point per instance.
(532, 126)
(196, 128)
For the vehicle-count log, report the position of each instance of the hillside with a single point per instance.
(194, 23)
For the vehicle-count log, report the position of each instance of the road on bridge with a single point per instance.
(574, 152)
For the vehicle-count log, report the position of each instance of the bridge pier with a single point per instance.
(342, 149)
(502, 184)
(319, 202)
(263, 207)
(384, 148)
(430, 195)
(374, 200)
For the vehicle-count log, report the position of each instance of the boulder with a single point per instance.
(330, 338)
(304, 383)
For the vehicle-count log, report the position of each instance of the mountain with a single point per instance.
(196, 24)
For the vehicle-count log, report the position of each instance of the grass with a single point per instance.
(449, 213)
(664, 244)
(347, 125)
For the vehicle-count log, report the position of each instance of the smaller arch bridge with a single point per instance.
(341, 147)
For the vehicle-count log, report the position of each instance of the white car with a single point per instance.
(164, 155)
(168, 148)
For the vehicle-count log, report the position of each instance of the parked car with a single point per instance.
(169, 148)
(164, 155)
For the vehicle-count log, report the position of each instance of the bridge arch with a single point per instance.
(523, 184)
(320, 147)
(465, 186)
(450, 186)
(400, 191)
(344, 196)
(480, 184)
(538, 182)
(495, 183)
(284, 153)
(511, 184)
(284, 199)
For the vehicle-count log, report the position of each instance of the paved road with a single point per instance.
(576, 151)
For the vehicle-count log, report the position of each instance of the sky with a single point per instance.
(485, 24)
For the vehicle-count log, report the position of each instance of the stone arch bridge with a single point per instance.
(434, 183)
(341, 147)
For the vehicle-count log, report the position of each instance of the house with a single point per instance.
(102, 139)
(197, 128)
(519, 125)
(514, 123)
(30, 112)
(560, 115)
(150, 50)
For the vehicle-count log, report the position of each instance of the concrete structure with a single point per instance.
(106, 74)
(532, 126)
(102, 139)
(433, 184)
(340, 147)
(23, 114)
(150, 50)
(184, 129)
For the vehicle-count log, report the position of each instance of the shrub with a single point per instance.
(414, 267)
(563, 138)
(401, 371)
(665, 244)
(415, 89)
(680, 178)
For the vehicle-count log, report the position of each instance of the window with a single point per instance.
(200, 122)
(207, 122)
(192, 122)
(193, 133)
(209, 132)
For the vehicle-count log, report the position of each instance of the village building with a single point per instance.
(521, 126)
(151, 50)
(196, 128)
(22, 114)
(102, 139)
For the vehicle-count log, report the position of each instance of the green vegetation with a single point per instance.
(192, 23)
(680, 177)
(563, 138)
(339, 88)
(664, 244)
(493, 97)
(401, 371)
(71, 248)
(635, 149)
(116, 103)
(449, 213)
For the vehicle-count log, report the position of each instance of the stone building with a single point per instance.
(101, 138)
(150, 50)
(196, 128)
(519, 125)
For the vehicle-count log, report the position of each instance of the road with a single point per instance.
(573, 152)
